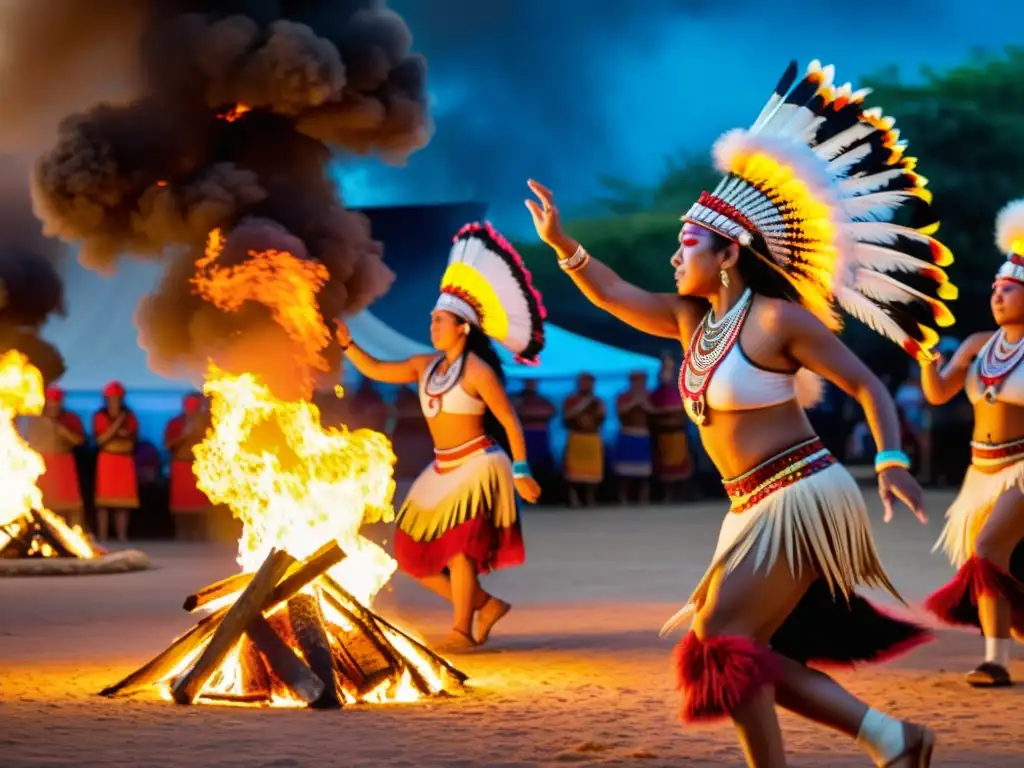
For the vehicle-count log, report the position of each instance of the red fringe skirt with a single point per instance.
(59, 483)
(117, 486)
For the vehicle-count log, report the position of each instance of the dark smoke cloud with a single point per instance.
(150, 178)
(31, 290)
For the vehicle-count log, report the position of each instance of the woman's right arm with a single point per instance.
(389, 372)
(657, 314)
(940, 383)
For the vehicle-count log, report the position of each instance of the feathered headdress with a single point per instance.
(486, 284)
(811, 188)
(1010, 240)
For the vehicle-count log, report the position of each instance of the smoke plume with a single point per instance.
(237, 107)
(31, 290)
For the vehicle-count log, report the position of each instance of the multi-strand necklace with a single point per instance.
(998, 361)
(710, 344)
(439, 383)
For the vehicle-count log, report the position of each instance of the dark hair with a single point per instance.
(760, 277)
(479, 344)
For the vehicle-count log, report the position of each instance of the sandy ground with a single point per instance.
(577, 673)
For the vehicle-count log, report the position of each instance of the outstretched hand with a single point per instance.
(545, 215)
(528, 488)
(897, 484)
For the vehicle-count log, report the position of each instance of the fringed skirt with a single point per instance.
(464, 503)
(804, 507)
(996, 468)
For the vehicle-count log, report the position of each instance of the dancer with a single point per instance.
(188, 505)
(985, 525)
(461, 518)
(55, 435)
(633, 459)
(796, 230)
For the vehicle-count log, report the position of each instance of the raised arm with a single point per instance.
(657, 314)
(390, 372)
(940, 383)
(814, 347)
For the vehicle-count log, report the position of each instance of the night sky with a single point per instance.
(600, 87)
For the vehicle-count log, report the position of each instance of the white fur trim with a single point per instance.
(1010, 226)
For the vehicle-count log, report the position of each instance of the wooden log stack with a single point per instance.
(273, 644)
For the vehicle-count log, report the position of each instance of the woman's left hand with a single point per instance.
(898, 484)
(528, 489)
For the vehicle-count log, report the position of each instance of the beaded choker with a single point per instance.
(997, 361)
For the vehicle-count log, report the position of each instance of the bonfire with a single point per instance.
(296, 626)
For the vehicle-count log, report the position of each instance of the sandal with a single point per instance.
(918, 752)
(494, 610)
(988, 674)
(456, 642)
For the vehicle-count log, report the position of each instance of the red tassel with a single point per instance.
(721, 673)
(956, 603)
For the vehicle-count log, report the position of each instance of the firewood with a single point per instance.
(310, 630)
(217, 590)
(283, 663)
(368, 616)
(324, 558)
(249, 604)
(255, 675)
(157, 668)
(53, 536)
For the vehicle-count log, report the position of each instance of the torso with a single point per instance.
(534, 411)
(750, 402)
(634, 419)
(999, 415)
(454, 414)
(588, 420)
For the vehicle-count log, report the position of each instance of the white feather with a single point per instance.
(860, 185)
(1010, 226)
(828, 150)
(678, 619)
(879, 206)
(810, 388)
(842, 164)
(880, 287)
(882, 259)
(873, 316)
(884, 233)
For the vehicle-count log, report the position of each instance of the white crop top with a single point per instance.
(740, 385)
(1012, 390)
(443, 393)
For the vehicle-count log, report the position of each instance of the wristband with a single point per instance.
(521, 469)
(577, 261)
(890, 460)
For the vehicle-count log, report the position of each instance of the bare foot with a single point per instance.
(492, 612)
(920, 743)
(456, 641)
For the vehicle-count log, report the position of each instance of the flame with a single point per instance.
(292, 483)
(21, 394)
(235, 113)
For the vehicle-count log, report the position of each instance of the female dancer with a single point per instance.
(798, 225)
(461, 518)
(985, 526)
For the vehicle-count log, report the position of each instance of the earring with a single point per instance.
(724, 277)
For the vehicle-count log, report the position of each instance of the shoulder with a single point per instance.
(71, 419)
(420, 362)
(973, 343)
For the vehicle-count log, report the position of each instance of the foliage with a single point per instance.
(966, 127)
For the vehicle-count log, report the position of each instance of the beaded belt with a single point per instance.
(450, 458)
(990, 455)
(781, 471)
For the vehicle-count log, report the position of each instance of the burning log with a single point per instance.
(39, 534)
(232, 626)
(310, 630)
(284, 663)
(292, 635)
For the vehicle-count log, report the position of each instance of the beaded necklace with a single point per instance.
(711, 342)
(997, 362)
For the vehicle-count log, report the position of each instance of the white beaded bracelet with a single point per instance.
(577, 261)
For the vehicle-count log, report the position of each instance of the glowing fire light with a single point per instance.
(292, 483)
(234, 113)
(21, 394)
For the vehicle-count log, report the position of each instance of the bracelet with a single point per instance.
(577, 261)
(891, 460)
(521, 469)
